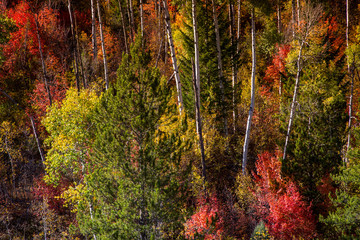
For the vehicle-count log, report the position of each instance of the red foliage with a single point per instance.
(274, 71)
(25, 36)
(287, 215)
(51, 194)
(40, 99)
(207, 221)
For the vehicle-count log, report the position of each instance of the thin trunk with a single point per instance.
(103, 48)
(37, 140)
(44, 219)
(132, 16)
(173, 57)
(42, 61)
(298, 12)
(93, 29)
(238, 26)
(199, 124)
(165, 47)
(75, 47)
(220, 67)
(196, 46)
(234, 69)
(293, 17)
(293, 103)
(159, 52)
(32, 125)
(279, 24)
(123, 26)
(236, 79)
(142, 19)
(129, 19)
(251, 110)
(352, 81)
(79, 53)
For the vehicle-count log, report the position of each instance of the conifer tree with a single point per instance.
(134, 175)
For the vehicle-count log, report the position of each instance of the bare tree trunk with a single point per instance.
(75, 47)
(165, 47)
(142, 19)
(279, 24)
(298, 12)
(196, 46)
(220, 67)
(293, 103)
(293, 18)
(173, 57)
(93, 29)
(42, 60)
(199, 124)
(132, 16)
(32, 125)
(251, 110)
(103, 48)
(82, 71)
(352, 82)
(123, 26)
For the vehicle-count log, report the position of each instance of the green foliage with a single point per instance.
(68, 126)
(210, 81)
(6, 27)
(260, 232)
(316, 138)
(135, 178)
(344, 219)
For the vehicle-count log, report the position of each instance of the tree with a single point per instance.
(343, 220)
(311, 16)
(134, 174)
(106, 76)
(284, 210)
(316, 141)
(252, 104)
(173, 57)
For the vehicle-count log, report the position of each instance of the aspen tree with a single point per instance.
(123, 27)
(93, 29)
(103, 48)
(76, 61)
(252, 104)
(312, 15)
(351, 75)
(173, 57)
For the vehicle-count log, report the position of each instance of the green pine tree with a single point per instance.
(136, 178)
(343, 221)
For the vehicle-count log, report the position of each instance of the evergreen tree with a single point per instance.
(135, 175)
(344, 220)
(213, 87)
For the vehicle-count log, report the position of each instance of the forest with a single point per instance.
(179, 119)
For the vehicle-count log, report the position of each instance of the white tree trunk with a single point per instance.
(251, 110)
(351, 84)
(76, 60)
(293, 103)
(123, 26)
(141, 18)
(103, 48)
(173, 57)
(196, 46)
(93, 29)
